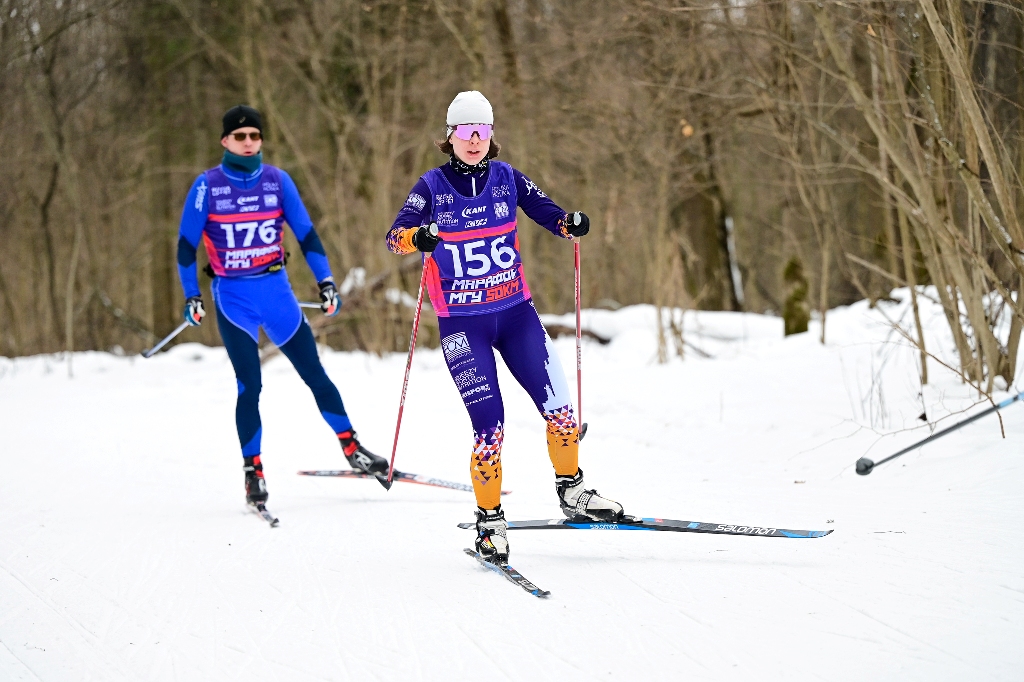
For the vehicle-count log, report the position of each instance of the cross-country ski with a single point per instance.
(509, 573)
(654, 524)
(418, 479)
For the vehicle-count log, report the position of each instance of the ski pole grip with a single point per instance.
(576, 219)
(432, 229)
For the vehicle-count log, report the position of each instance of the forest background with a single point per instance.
(762, 155)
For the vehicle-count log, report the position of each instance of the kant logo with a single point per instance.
(455, 346)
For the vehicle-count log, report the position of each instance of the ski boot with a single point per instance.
(584, 506)
(491, 538)
(361, 459)
(255, 485)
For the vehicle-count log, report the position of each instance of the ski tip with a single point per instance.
(467, 526)
(506, 492)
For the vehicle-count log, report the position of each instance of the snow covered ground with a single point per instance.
(126, 552)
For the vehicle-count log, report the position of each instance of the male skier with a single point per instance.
(239, 209)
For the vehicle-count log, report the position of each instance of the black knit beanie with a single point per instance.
(241, 116)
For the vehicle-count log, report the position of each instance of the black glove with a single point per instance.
(330, 301)
(426, 238)
(194, 312)
(577, 224)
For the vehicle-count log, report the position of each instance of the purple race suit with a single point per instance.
(477, 269)
(245, 227)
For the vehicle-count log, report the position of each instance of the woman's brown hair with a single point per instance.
(446, 148)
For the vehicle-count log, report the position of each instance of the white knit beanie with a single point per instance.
(470, 107)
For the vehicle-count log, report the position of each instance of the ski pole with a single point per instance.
(308, 304)
(579, 336)
(167, 339)
(865, 465)
(408, 363)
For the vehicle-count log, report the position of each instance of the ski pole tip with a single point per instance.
(864, 466)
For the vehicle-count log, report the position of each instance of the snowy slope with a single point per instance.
(126, 552)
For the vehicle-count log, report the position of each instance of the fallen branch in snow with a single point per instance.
(126, 320)
(557, 330)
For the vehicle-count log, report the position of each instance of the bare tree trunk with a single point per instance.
(722, 218)
(911, 277)
(76, 248)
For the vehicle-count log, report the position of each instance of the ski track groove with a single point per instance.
(884, 624)
(327, 618)
(20, 662)
(639, 645)
(183, 619)
(249, 657)
(75, 626)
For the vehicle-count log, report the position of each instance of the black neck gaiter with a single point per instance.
(463, 168)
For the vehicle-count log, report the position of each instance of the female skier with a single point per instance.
(476, 285)
(239, 209)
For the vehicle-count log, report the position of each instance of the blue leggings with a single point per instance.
(301, 351)
(469, 343)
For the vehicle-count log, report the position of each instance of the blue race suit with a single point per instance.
(476, 285)
(240, 219)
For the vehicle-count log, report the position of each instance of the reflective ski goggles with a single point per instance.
(464, 131)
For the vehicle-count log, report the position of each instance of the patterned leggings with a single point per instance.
(517, 333)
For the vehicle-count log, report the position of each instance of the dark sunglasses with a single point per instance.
(240, 137)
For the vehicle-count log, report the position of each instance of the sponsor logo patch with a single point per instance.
(225, 204)
(444, 199)
(467, 378)
(472, 210)
(501, 210)
(200, 195)
(416, 201)
(270, 199)
(476, 223)
(271, 187)
(220, 191)
(501, 191)
(478, 389)
(531, 186)
(447, 219)
(455, 346)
